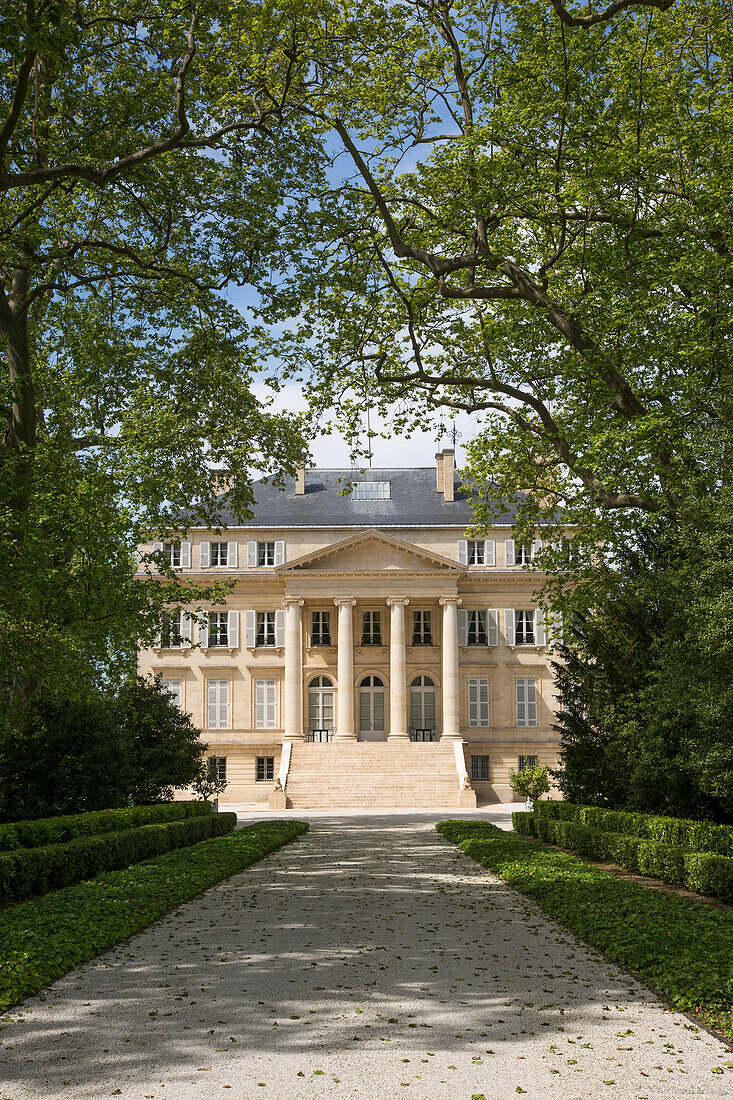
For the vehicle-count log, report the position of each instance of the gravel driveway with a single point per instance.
(369, 959)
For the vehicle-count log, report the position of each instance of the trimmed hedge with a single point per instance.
(30, 871)
(704, 872)
(681, 947)
(42, 939)
(698, 836)
(57, 830)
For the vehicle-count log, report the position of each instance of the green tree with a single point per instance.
(530, 782)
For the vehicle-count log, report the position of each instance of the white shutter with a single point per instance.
(492, 626)
(271, 715)
(205, 555)
(233, 625)
(489, 552)
(217, 709)
(204, 631)
(185, 555)
(483, 702)
(509, 551)
(251, 555)
(186, 628)
(280, 628)
(540, 637)
(157, 547)
(260, 687)
(250, 627)
(211, 703)
(536, 547)
(473, 707)
(509, 626)
(158, 641)
(521, 702)
(462, 626)
(279, 552)
(463, 552)
(531, 702)
(232, 554)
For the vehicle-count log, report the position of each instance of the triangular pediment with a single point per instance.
(372, 551)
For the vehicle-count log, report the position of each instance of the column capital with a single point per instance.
(289, 601)
(342, 600)
(392, 600)
(450, 599)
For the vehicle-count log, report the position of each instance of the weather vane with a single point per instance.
(453, 435)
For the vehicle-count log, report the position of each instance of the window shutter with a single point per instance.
(260, 686)
(521, 703)
(540, 637)
(492, 626)
(536, 547)
(223, 704)
(509, 626)
(463, 552)
(232, 554)
(157, 547)
(212, 697)
(483, 702)
(250, 626)
(473, 707)
(158, 641)
(509, 551)
(489, 552)
(233, 625)
(251, 555)
(204, 631)
(279, 553)
(186, 628)
(462, 626)
(185, 555)
(205, 555)
(531, 702)
(271, 716)
(280, 628)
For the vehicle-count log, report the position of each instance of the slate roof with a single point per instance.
(414, 501)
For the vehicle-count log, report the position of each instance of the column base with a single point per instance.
(293, 737)
(398, 737)
(345, 737)
(451, 737)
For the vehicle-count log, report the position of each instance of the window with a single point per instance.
(218, 629)
(478, 702)
(265, 628)
(320, 704)
(175, 690)
(522, 554)
(371, 705)
(265, 553)
(371, 629)
(321, 628)
(171, 630)
(371, 490)
(524, 633)
(265, 704)
(172, 552)
(265, 769)
(220, 763)
(480, 769)
(527, 762)
(476, 634)
(218, 553)
(526, 702)
(422, 628)
(476, 555)
(422, 704)
(217, 698)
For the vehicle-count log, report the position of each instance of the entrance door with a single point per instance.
(320, 709)
(422, 709)
(371, 709)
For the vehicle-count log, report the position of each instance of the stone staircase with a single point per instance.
(372, 775)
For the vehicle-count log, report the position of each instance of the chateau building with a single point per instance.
(371, 653)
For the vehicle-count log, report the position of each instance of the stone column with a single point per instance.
(345, 698)
(293, 701)
(397, 670)
(451, 722)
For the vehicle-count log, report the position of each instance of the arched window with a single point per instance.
(422, 708)
(320, 707)
(371, 705)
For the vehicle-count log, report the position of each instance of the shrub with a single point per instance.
(29, 871)
(530, 782)
(699, 836)
(56, 830)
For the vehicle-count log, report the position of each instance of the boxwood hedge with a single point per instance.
(29, 871)
(697, 836)
(681, 947)
(56, 830)
(42, 939)
(704, 872)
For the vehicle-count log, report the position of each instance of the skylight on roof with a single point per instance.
(372, 490)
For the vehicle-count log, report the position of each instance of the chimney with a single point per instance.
(439, 468)
(448, 471)
(300, 478)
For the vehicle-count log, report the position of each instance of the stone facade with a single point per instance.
(362, 612)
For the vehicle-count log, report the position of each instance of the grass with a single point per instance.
(42, 939)
(683, 948)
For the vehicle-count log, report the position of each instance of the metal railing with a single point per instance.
(423, 735)
(314, 736)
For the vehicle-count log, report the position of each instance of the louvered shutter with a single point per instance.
(250, 628)
(483, 702)
(489, 552)
(186, 628)
(157, 547)
(509, 626)
(531, 702)
(204, 631)
(536, 547)
(205, 552)
(251, 555)
(521, 702)
(509, 551)
(492, 626)
(185, 555)
(473, 707)
(463, 552)
(279, 552)
(280, 628)
(260, 694)
(540, 636)
(462, 626)
(232, 554)
(223, 704)
(233, 626)
(271, 715)
(158, 641)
